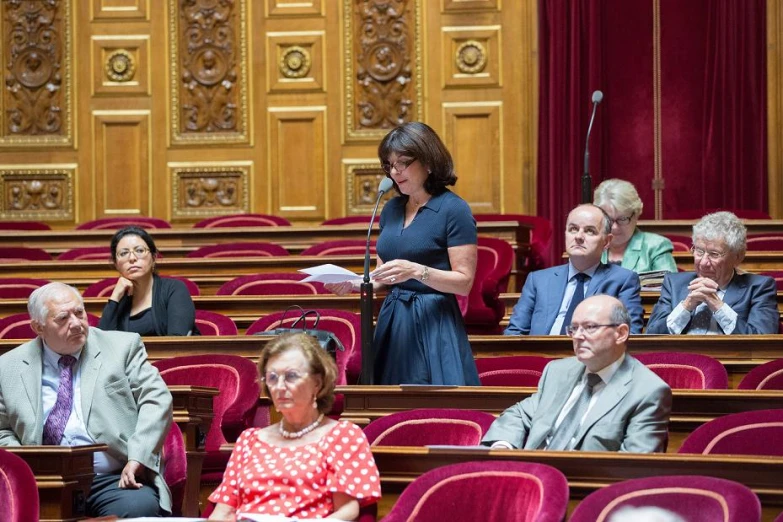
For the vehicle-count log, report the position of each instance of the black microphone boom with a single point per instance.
(587, 182)
(366, 296)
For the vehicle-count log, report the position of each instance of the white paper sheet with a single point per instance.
(329, 274)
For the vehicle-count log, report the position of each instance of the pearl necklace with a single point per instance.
(301, 433)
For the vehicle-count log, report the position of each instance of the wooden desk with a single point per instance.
(588, 471)
(193, 414)
(64, 477)
(690, 408)
(684, 227)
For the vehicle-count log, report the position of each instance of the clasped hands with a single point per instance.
(391, 273)
(702, 290)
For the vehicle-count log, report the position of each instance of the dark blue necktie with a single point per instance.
(579, 295)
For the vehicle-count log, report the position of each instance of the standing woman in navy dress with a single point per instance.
(426, 255)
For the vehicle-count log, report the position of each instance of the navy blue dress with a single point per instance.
(420, 337)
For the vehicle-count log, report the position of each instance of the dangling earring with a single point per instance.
(315, 402)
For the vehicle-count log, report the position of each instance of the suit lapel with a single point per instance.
(555, 299)
(597, 279)
(91, 365)
(31, 374)
(563, 386)
(633, 251)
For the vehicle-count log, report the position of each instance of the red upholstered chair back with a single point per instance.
(681, 243)
(698, 214)
(343, 324)
(242, 220)
(17, 326)
(213, 323)
(121, 222)
(339, 247)
(16, 254)
(777, 275)
(540, 236)
(429, 426)
(18, 489)
(104, 287)
(779, 518)
(769, 243)
(747, 433)
(23, 225)
(255, 249)
(237, 379)
(19, 287)
(693, 497)
(689, 371)
(491, 491)
(512, 370)
(484, 308)
(767, 376)
(102, 253)
(271, 284)
(175, 468)
(352, 220)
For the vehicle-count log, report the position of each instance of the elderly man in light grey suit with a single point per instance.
(76, 385)
(601, 400)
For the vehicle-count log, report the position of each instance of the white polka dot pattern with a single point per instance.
(299, 481)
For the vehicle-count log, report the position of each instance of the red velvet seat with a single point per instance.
(767, 376)
(242, 220)
(122, 222)
(175, 467)
(512, 370)
(271, 284)
(779, 518)
(689, 371)
(104, 287)
(693, 497)
(87, 254)
(18, 489)
(492, 491)
(748, 433)
(777, 275)
(24, 225)
(540, 236)
(16, 254)
(767, 243)
(429, 426)
(680, 243)
(257, 249)
(484, 309)
(698, 214)
(351, 220)
(19, 287)
(234, 408)
(17, 326)
(339, 247)
(213, 323)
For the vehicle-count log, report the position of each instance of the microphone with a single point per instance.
(365, 300)
(587, 182)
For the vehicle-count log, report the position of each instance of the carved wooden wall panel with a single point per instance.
(456, 6)
(122, 174)
(202, 189)
(120, 65)
(295, 61)
(471, 56)
(473, 134)
(283, 8)
(297, 162)
(363, 176)
(37, 61)
(120, 9)
(37, 192)
(209, 78)
(383, 76)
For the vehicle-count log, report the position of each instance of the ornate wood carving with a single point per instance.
(120, 66)
(37, 193)
(37, 97)
(209, 80)
(209, 190)
(383, 45)
(362, 188)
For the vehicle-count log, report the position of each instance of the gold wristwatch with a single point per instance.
(425, 274)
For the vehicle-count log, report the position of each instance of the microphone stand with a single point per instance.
(366, 306)
(587, 181)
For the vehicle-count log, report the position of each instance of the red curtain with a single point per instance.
(712, 110)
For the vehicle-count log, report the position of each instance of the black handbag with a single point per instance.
(325, 338)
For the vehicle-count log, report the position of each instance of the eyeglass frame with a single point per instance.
(387, 167)
(712, 255)
(138, 251)
(271, 383)
(624, 220)
(589, 329)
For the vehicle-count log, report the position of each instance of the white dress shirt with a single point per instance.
(723, 321)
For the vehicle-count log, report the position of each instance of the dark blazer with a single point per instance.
(752, 296)
(631, 414)
(536, 311)
(173, 311)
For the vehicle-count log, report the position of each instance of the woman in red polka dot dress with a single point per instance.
(307, 465)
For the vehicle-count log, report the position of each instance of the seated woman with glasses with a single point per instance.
(630, 247)
(306, 465)
(142, 302)
(716, 298)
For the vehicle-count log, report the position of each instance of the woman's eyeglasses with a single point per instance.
(138, 252)
(289, 377)
(624, 220)
(398, 165)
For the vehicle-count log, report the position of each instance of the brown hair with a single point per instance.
(320, 362)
